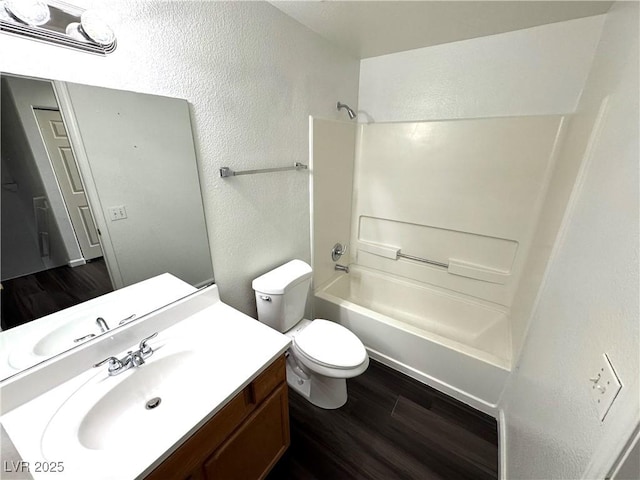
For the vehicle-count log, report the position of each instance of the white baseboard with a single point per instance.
(502, 445)
(76, 263)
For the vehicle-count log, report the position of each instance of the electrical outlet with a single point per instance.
(605, 386)
(117, 213)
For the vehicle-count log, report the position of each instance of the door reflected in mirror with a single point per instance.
(100, 191)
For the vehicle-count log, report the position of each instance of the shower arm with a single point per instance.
(349, 110)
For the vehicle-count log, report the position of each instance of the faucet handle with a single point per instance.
(82, 339)
(338, 251)
(114, 364)
(125, 320)
(145, 349)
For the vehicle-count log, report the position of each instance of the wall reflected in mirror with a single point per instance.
(100, 191)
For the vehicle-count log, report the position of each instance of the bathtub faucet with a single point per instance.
(343, 268)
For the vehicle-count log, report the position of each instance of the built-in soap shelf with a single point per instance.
(453, 266)
(477, 272)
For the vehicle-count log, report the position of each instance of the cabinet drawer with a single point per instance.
(262, 386)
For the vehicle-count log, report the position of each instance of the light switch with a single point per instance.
(605, 386)
(117, 213)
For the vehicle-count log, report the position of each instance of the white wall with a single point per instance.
(588, 304)
(140, 155)
(20, 183)
(26, 95)
(537, 71)
(252, 76)
(333, 145)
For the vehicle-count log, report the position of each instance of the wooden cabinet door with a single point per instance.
(195, 475)
(186, 462)
(257, 445)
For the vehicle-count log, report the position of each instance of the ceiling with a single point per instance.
(372, 28)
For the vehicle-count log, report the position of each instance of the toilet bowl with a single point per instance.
(323, 354)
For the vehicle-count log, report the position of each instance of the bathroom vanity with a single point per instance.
(242, 441)
(210, 400)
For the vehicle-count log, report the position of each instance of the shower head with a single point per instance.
(350, 112)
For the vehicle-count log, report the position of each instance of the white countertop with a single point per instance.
(238, 348)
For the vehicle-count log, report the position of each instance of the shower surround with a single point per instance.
(440, 218)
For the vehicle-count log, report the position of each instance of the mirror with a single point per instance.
(100, 191)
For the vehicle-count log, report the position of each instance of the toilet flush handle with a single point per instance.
(266, 298)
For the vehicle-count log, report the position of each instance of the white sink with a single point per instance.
(110, 414)
(37, 346)
(63, 338)
(122, 413)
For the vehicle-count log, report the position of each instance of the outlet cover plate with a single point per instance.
(117, 213)
(605, 386)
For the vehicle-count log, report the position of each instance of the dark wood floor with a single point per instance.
(392, 427)
(34, 296)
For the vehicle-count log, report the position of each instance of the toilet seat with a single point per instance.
(330, 345)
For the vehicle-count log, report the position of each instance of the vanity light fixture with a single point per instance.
(58, 23)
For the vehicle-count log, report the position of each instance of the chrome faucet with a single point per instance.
(130, 360)
(134, 358)
(102, 324)
(342, 268)
(103, 328)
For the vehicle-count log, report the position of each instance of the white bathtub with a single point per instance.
(455, 344)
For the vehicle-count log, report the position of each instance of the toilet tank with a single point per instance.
(281, 294)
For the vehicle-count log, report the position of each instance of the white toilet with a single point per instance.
(323, 353)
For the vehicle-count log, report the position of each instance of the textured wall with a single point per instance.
(537, 71)
(588, 304)
(252, 76)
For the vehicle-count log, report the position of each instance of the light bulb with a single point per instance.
(73, 30)
(31, 12)
(96, 29)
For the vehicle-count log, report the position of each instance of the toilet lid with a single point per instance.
(330, 344)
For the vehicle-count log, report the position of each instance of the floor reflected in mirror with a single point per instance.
(33, 296)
